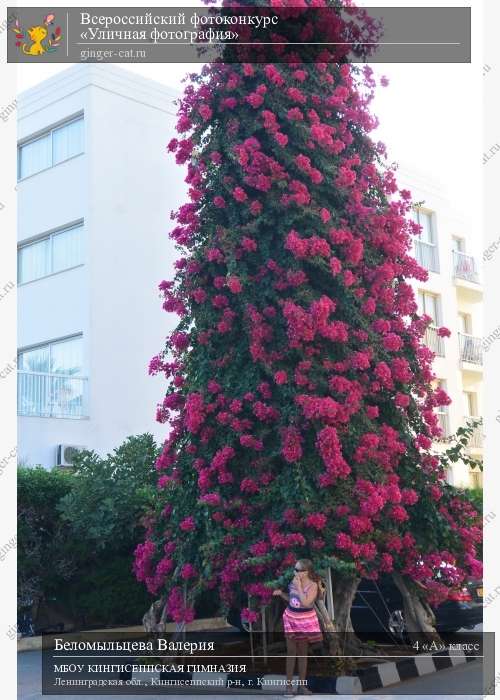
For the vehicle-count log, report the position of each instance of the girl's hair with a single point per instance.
(308, 565)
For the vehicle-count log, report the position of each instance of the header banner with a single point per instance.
(235, 35)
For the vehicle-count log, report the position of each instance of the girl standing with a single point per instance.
(300, 620)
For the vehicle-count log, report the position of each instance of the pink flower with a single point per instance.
(402, 400)
(249, 486)
(296, 95)
(239, 194)
(345, 177)
(330, 450)
(295, 114)
(259, 548)
(188, 524)
(383, 373)
(291, 445)
(316, 520)
(249, 244)
(280, 377)
(219, 202)
(213, 386)
(435, 492)
(282, 139)
(423, 442)
(300, 75)
(273, 75)
(211, 499)
(254, 99)
(343, 541)
(335, 266)
(391, 341)
(299, 247)
(205, 112)
(359, 525)
(249, 615)
(409, 497)
(399, 514)
(179, 340)
(234, 284)
(188, 571)
(255, 207)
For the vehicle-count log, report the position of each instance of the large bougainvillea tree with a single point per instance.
(300, 401)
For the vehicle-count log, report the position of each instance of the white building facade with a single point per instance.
(95, 193)
(449, 249)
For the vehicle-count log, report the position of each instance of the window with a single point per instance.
(426, 250)
(424, 219)
(470, 403)
(464, 323)
(51, 148)
(50, 381)
(442, 411)
(464, 266)
(430, 305)
(60, 357)
(476, 478)
(56, 252)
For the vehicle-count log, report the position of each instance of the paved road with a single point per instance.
(466, 678)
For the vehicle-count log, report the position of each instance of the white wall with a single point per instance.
(124, 187)
(450, 221)
(134, 186)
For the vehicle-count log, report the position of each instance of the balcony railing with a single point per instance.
(426, 254)
(471, 349)
(464, 266)
(476, 439)
(51, 395)
(434, 341)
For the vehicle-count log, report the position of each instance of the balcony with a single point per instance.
(471, 349)
(434, 341)
(464, 267)
(51, 395)
(426, 254)
(476, 439)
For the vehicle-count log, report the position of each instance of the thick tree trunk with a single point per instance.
(419, 617)
(328, 627)
(344, 589)
(154, 619)
(339, 636)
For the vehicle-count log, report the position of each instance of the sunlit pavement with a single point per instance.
(446, 685)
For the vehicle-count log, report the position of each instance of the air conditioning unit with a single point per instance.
(65, 454)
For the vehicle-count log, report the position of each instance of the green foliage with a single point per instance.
(458, 451)
(110, 495)
(45, 556)
(106, 594)
(476, 496)
(78, 530)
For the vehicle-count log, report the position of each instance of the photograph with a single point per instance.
(249, 351)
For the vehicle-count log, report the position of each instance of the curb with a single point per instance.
(372, 678)
(383, 675)
(35, 643)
